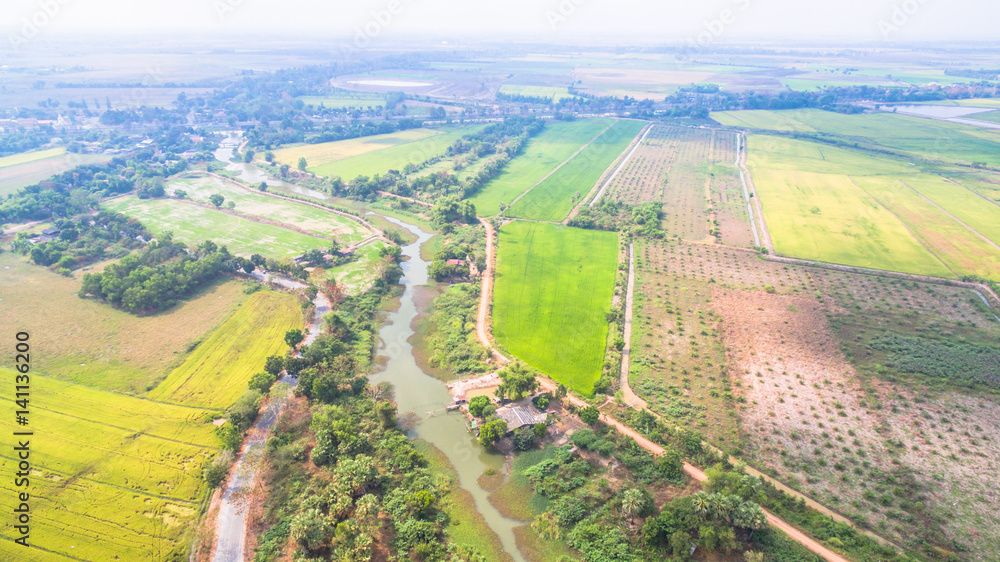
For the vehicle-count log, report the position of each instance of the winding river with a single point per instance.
(415, 392)
(426, 396)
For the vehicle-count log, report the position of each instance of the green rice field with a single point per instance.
(317, 155)
(553, 290)
(918, 137)
(543, 153)
(845, 206)
(393, 157)
(552, 199)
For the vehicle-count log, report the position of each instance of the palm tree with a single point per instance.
(632, 503)
(702, 505)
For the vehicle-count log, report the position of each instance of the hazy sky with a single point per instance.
(665, 20)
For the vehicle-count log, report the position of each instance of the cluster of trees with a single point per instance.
(497, 144)
(642, 220)
(449, 210)
(452, 342)
(163, 272)
(105, 235)
(19, 139)
(464, 242)
(141, 115)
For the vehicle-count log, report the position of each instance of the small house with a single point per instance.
(520, 415)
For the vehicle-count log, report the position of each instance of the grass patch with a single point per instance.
(193, 224)
(357, 276)
(557, 142)
(553, 199)
(323, 153)
(91, 343)
(306, 217)
(553, 289)
(216, 373)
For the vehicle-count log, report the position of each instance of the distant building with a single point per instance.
(455, 262)
(51, 232)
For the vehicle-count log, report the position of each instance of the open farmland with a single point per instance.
(552, 92)
(553, 199)
(822, 402)
(88, 342)
(844, 206)
(306, 217)
(346, 100)
(113, 477)
(218, 370)
(553, 291)
(193, 224)
(29, 168)
(916, 137)
(392, 158)
(543, 153)
(692, 171)
(317, 155)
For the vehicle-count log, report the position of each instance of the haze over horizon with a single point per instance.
(639, 20)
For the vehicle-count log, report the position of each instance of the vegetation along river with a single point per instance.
(420, 393)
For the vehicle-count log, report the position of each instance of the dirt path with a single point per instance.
(482, 332)
(630, 398)
(561, 164)
(486, 296)
(764, 238)
(410, 199)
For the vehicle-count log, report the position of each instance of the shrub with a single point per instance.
(476, 405)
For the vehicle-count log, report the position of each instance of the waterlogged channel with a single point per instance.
(425, 397)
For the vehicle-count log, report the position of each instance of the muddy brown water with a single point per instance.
(425, 397)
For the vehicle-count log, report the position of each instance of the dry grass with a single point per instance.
(88, 342)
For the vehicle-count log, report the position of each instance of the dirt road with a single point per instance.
(630, 398)
(486, 296)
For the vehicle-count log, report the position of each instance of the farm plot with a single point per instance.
(912, 460)
(323, 153)
(680, 369)
(394, 157)
(317, 221)
(543, 153)
(553, 289)
(21, 170)
(553, 199)
(692, 172)
(88, 342)
(843, 206)
(193, 224)
(218, 370)
(919, 137)
(113, 477)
